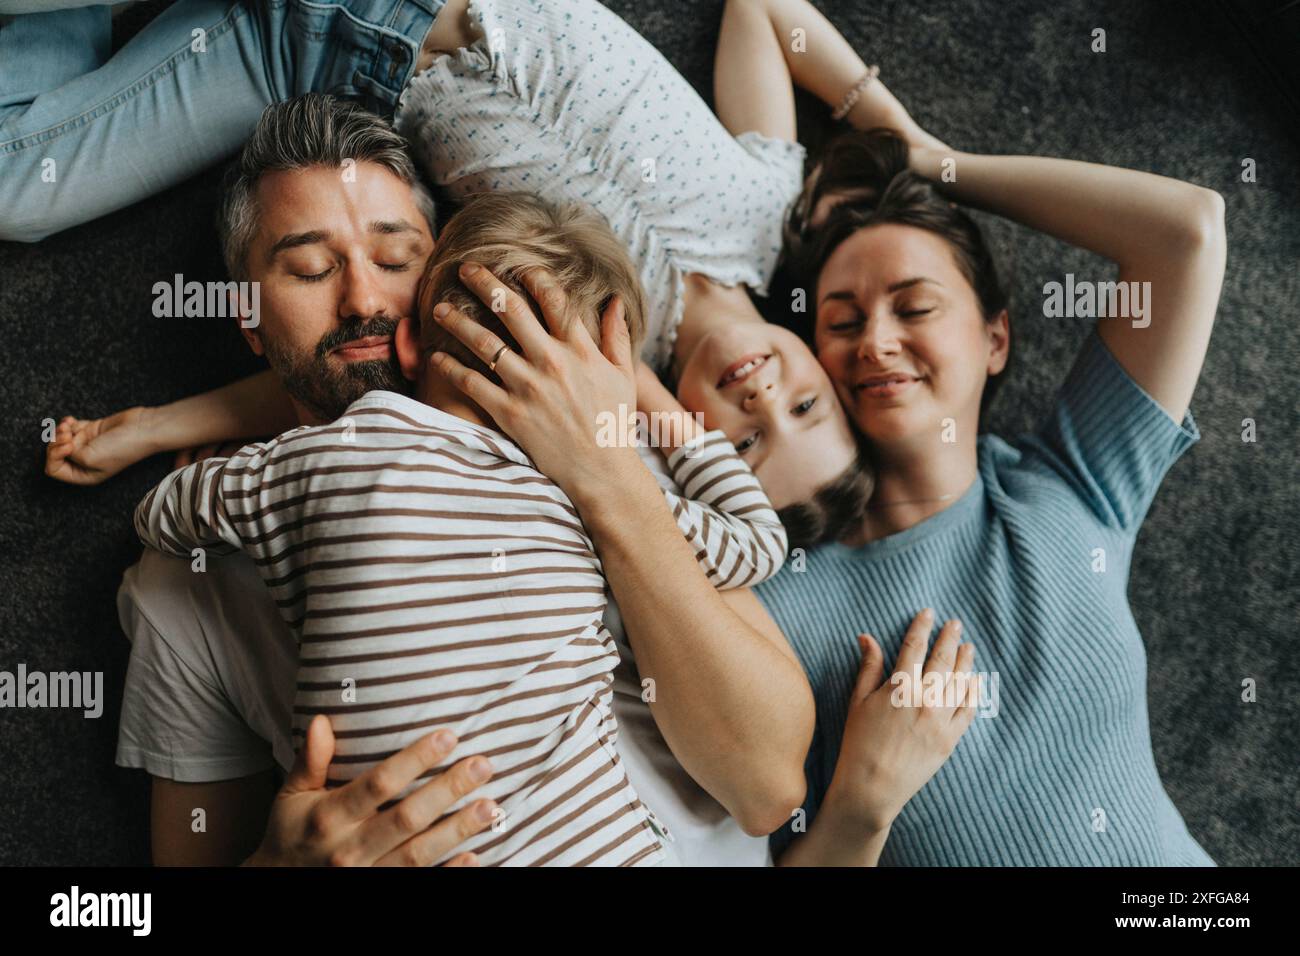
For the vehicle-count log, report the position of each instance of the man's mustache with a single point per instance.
(355, 328)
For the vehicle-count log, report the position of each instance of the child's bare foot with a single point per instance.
(88, 451)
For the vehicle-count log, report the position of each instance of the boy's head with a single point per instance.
(509, 233)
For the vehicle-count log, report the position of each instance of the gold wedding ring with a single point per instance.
(492, 365)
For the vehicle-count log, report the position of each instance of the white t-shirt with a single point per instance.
(211, 681)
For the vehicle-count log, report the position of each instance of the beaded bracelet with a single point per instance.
(852, 95)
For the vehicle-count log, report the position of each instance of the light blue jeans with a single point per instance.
(83, 134)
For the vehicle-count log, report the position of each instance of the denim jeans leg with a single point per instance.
(182, 95)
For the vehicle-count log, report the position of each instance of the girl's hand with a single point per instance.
(891, 750)
(89, 451)
(565, 401)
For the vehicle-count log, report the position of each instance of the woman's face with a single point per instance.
(900, 333)
(761, 385)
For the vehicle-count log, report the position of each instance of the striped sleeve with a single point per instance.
(724, 514)
(188, 508)
(186, 511)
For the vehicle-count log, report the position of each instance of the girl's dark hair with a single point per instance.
(870, 169)
(835, 508)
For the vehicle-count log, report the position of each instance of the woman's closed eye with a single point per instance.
(845, 323)
(914, 308)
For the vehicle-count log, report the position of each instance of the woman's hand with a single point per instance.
(565, 401)
(892, 747)
(89, 451)
(312, 826)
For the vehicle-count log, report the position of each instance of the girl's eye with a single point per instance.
(913, 313)
(746, 444)
(803, 408)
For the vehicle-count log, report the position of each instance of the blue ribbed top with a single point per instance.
(1063, 774)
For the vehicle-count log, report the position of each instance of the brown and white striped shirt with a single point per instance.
(434, 578)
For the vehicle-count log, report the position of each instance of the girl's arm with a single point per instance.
(1160, 231)
(88, 451)
(760, 55)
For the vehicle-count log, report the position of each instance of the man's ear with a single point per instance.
(406, 342)
(248, 327)
(998, 330)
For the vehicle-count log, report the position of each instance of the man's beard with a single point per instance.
(327, 388)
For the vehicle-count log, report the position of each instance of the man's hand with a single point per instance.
(88, 451)
(312, 826)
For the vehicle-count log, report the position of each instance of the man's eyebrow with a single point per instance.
(295, 239)
(390, 227)
(383, 227)
(846, 295)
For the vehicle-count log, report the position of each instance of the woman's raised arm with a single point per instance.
(1167, 237)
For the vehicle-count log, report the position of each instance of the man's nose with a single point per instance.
(362, 293)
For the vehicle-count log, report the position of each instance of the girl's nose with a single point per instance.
(767, 391)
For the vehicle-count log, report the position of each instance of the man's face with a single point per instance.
(338, 262)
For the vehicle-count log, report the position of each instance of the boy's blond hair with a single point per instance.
(509, 233)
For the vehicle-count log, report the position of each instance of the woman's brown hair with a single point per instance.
(870, 171)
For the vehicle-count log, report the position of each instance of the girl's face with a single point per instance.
(761, 385)
(900, 332)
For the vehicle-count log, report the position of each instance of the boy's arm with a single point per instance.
(721, 508)
(187, 510)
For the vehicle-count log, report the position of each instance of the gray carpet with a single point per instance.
(1215, 581)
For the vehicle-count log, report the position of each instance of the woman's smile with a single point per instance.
(888, 386)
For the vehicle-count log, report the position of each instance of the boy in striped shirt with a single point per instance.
(434, 578)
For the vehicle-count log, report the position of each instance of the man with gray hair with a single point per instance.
(323, 210)
(346, 279)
